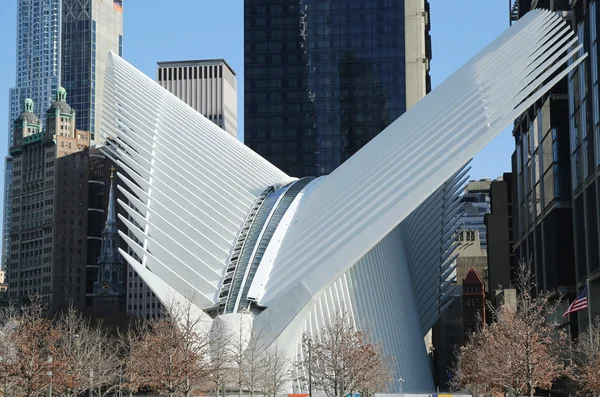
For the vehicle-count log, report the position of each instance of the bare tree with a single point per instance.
(253, 363)
(341, 360)
(275, 371)
(220, 360)
(172, 356)
(238, 342)
(33, 343)
(132, 376)
(472, 358)
(106, 367)
(77, 350)
(522, 350)
(159, 356)
(194, 329)
(8, 352)
(587, 359)
(375, 372)
(88, 354)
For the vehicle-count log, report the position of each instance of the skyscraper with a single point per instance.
(49, 216)
(209, 86)
(551, 227)
(61, 42)
(323, 77)
(90, 29)
(556, 174)
(37, 77)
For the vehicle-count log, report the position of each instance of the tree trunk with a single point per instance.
(531, 389)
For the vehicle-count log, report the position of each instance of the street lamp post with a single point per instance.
(50, 388)
(49, 373)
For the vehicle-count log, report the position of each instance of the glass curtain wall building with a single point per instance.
(584, 145)
(323, 77)
(38, 62)
(556, 169)
(90, 30)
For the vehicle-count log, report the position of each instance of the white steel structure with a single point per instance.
(213, 222)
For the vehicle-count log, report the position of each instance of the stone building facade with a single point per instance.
(49, 207)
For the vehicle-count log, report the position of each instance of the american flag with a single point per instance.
(578, 304)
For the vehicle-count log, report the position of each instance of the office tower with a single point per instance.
(90, 29)
(322, 78)
(61, 42)
(37, 77)
(209, 86)
(501, 261)
(38, 58)
(584, 133)
(49, 212)
(550, 228)
(543, 211)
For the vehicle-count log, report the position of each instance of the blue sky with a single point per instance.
(156, 30)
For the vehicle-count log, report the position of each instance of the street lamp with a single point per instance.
(401, 382)
(49, 373)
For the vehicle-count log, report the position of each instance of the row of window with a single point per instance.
(189, 72)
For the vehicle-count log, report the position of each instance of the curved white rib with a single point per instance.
(189, 185)
(365, 198)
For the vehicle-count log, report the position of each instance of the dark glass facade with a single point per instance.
(77, 74)
(543, 213)
(90, 29)
(322, 78)
(584, 127)
(556, 172)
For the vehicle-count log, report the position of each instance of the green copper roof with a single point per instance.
(28, 105)
(27, 116)
(61, 94)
